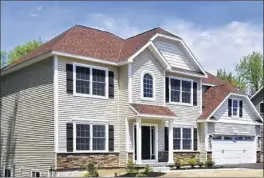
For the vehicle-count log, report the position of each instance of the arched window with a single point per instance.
(147, 86)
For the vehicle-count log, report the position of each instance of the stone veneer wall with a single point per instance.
(130, 156)
(81, 160)
(185, 155)
(209, 155)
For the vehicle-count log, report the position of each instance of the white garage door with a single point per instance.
(233, 149)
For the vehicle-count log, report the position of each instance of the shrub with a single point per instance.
(147, 169)
(141, 174)
(178, 163)
(116, 175)
(209, 163)
(92, 169)
(199, 163)
(87, 174)
(130, 167)
(192, 162)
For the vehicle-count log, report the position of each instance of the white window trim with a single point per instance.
(181, 79)
(91, 137)
(142, 86)
(181, 141)
(260, 107)
(35, 172)
(91, 81)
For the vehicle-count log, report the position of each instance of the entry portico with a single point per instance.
(148, 133)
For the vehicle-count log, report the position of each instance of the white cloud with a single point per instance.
(120, 27)
(221, 46)
(39, 8)
(33, 14)
(214, 47)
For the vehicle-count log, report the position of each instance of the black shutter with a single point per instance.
(69, 137)
(195, 139)
(167, 89)
(195, 93)
(229, 107)
(240, 108)
(69, 78)
(166, 138)
(111, 84)
(111, 138)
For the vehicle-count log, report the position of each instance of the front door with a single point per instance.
(147, 142)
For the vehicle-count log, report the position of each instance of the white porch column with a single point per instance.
(170, 149)
(139, 150)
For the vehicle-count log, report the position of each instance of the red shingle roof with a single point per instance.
(213, 96)
(85, 41)
(152, 110)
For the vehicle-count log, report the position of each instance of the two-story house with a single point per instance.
(90, 96)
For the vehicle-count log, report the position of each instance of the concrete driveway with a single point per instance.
(246, 166)
(225, 172)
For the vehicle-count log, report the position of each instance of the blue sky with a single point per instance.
(218, 33)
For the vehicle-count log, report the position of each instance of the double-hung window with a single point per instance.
(90, 137)
(180, 90)
(234, 107)
(90, 80)
(182, 138)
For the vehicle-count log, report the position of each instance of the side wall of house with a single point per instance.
(113, 111)
(27, 120)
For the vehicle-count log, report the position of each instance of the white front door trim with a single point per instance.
(139, 125)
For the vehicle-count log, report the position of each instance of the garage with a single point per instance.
(233, 149)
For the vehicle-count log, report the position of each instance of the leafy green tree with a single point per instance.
(3, 58)
(250, 69)
(23, 49)
(232, 78)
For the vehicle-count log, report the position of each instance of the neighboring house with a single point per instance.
(258, 100)
(90, 96)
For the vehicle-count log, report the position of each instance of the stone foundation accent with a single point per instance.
(81, 160)
(130, 156)
(209, 155)
(185, 155)
(259, 157)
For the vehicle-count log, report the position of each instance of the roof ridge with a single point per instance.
(143, 33)
(66, 33)
(91, 28)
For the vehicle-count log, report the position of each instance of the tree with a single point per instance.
(250, 69)
(22, 49)
(232, 78)
(3, 58)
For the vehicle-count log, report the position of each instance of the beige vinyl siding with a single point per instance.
(175, 54)
(27, 119)
(248, 112)
(186, 114)
(230, 128)
(146, 62)
(124, 113)
(78, 107)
